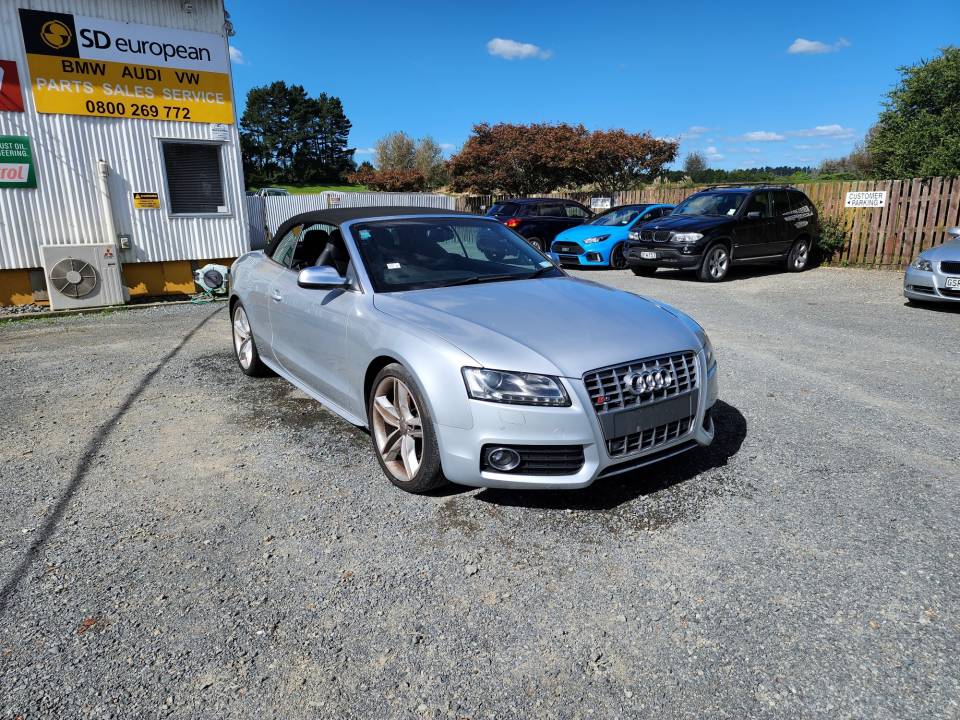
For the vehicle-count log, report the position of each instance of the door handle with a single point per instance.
(276, 296)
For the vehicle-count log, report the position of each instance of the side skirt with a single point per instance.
(333, 407)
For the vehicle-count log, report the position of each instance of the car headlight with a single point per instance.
(708, 352)
(634, 234)
(591, 240)
(514, 387)
(923, 264)
(686, 237)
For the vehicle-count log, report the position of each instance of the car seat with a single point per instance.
(309, 248)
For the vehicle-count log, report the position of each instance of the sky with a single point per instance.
(747, 84)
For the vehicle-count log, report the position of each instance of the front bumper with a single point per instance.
(929, 286)
(590, 256)
(513, 425)
(667, 255)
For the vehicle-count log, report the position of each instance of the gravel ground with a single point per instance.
(182, 541)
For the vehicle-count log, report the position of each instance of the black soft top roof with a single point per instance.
(338, 216)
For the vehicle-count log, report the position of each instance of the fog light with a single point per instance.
(594, 257)
(503, 459)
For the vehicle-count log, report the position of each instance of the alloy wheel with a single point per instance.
(242, 338)
(397, 428)
(717, 262)
(800, 255)
(618, 260)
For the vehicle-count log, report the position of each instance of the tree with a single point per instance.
(918, 132)
(389, 180)
(287, 136)
(617, 160)
(695, 163)
(396, 151)
(428, 161)
(525, 159)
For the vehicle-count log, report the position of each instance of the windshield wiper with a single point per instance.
(473, 279)
(539, 272)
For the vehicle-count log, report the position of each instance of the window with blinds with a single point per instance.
(194, 178)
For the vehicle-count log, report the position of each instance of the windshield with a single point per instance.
(725, 203)
(619, 217)
(503, 209)
(439, 252)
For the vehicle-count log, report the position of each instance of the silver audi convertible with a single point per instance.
(468, 355)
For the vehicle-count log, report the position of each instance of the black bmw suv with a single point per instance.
(723, 226)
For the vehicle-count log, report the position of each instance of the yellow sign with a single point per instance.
(91, 66)
(146, 201)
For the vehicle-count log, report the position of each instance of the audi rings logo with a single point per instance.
(647, 381)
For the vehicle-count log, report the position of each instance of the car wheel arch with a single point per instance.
(376, 365)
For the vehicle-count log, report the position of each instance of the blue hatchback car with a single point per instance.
(599, 242)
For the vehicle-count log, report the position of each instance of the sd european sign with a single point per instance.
(90, 66)
(16, 162)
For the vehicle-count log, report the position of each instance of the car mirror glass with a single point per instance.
(320, 277)
(753, 215)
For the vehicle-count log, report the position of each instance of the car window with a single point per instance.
(506, 208)
(781, 203)
(418, 254)
(710, 203)
(575, 211)
(760, 203)
(283, 252)
(799, 201)
(618, 217)
(552, 210)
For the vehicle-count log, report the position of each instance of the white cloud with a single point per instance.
(693, 132)
(833, 131)
(802, 46)
(236, 56)
(748, 150)
(513, 50)
(447, 146)
(762, 136)
(813, 146)
(713, 154)
(364, 151)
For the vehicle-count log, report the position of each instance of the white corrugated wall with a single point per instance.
(64, 208)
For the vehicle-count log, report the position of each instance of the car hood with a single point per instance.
(684, 223)
(585, 231)
(555, 326)
(947, 251)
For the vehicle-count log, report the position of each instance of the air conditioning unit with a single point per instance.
(80, 276)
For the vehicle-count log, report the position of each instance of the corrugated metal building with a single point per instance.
(117, 124)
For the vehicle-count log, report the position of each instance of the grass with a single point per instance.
(314, 189)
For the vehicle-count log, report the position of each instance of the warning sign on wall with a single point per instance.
(91, 66)
(146, 201)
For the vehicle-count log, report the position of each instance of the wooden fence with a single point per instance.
(914, 217)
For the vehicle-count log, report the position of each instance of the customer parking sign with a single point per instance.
(16, 162)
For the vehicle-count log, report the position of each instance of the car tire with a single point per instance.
(536, 242)
(618, 261)
(715, 264)
(643, 270)
(799, 256)
(402, 431)
(244, 346)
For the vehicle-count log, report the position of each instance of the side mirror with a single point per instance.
(754, 215)
(955, 231)
(321, 277)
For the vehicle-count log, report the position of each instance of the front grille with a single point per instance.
(675, 406)
(568, 248)
(655, 235)
(950, 266)
(540, 459)
(653, 437)
(950, 292)
(573, 259)
(607, 383)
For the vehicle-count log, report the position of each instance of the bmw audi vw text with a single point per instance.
(468, 355)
